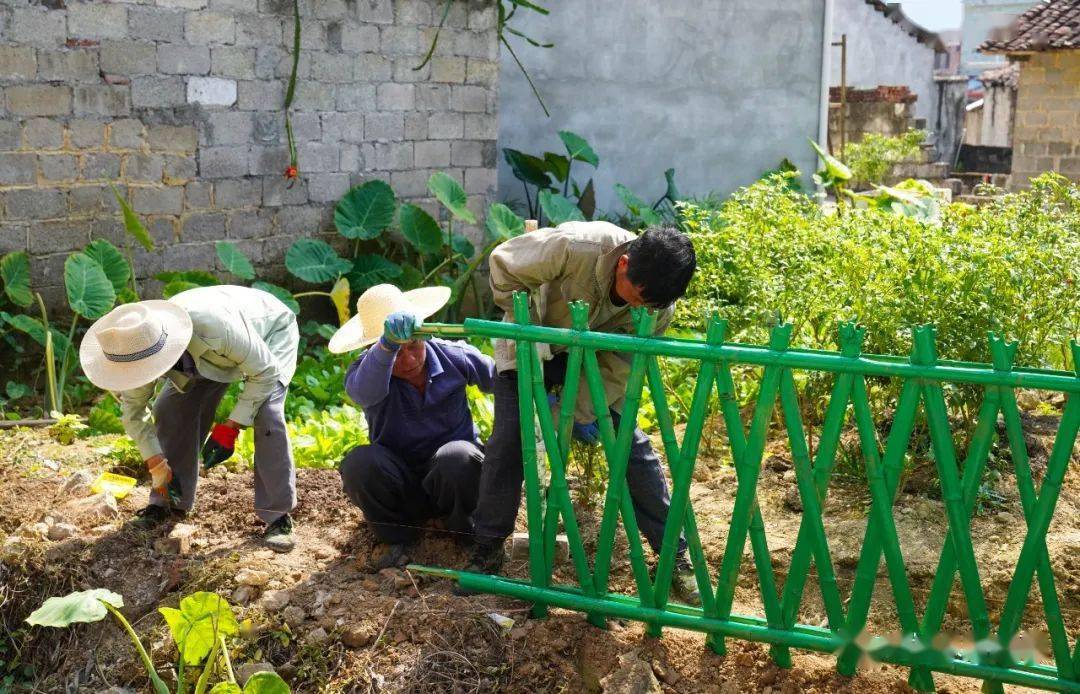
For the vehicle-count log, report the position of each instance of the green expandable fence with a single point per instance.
(921, 378)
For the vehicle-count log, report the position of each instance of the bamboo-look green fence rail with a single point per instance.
(922, 376)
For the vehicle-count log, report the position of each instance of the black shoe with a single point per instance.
(279, 535)
(487, 558)
(396, 556)
(153, 515)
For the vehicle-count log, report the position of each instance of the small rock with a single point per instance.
(13, 549)
(369, 584)
(252, 577)
(79, 483)
(62, 531)
(117, 690)
(519, 548)
(36, 530)
(101, 505)
(792, 500)
(632, 676)
(665, 674)
(263, 554)
(317, 635)
(51, 464)
(358, 636)
(294, 616)
(178, 541)
(242, 595)
(245, 671)
(1006, 518)
(274, 600)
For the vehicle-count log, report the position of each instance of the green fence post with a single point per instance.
(528, 449)
(1039, 522)
(748, 467)
(851, 337)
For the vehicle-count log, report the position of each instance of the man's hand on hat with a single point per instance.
(398, 328)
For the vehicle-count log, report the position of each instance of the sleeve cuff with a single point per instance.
(244, 413)
(149, 447)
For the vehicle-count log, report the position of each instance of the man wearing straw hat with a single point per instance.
(202, 340)
(424, 456)
(612, 270)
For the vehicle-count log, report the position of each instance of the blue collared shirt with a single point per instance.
(412, 424)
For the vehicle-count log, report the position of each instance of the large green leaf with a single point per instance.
(527, 168)
(365, 211)
(234, 260)
(15, 274)
(559, 209)
(198, 278)
(835, 169)
(132, 224)
(672, 192)
(313, 260)
(110, 259)
(420, 229)
(369, 270)
(173, 288)
(266, 683)
(557, 165)
(196, 625)
(283, 295)
(89, 291)
(502, 223)
(411, 278)
(462, 246)
(578, 148)
(637, 206)
(36, 331)
(226, 688)
(450, 193)
(80, 607)
(587, 200)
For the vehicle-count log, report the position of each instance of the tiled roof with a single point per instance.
(1050, 25)
(894, 12)
(1007, 75)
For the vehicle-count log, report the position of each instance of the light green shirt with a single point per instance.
(238, 334)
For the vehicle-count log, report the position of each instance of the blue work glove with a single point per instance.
(588, 433)
(398, 329)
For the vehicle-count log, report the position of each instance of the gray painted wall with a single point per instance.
(721, 90)
(881, 52)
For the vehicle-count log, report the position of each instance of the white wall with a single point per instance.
(981, 18)
(722, 90)
(880, 52)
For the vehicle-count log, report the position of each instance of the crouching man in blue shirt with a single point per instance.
(424, 456)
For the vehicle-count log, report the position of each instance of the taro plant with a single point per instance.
(549, 176)
(834, 176)
(199, 628)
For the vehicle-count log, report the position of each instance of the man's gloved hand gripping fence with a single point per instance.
(921, 377)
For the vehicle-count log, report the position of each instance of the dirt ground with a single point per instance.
(327, 624)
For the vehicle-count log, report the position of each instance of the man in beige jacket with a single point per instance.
(201, 341)
(612, 270)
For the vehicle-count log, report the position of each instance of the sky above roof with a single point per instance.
(934, 15)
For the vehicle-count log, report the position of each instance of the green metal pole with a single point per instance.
(537, 563)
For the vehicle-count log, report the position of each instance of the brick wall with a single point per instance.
(178, 102)
(1047, 131)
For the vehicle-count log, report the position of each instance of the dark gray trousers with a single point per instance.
(183, 421)
(502, 474)
(397, 495)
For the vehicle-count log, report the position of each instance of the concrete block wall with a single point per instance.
(1046, 135)
(179, 104)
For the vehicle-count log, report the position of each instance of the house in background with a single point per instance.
(886, 48)
(986, 20)
(1045, 45)
(722, 91)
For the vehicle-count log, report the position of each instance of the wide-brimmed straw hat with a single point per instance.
(376, 304)
(134, 344)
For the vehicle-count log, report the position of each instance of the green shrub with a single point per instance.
(771, 254)
(873, 158)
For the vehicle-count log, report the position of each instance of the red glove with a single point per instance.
(220, 446)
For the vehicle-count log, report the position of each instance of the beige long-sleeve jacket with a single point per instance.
(573, 261)
(238, 334)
